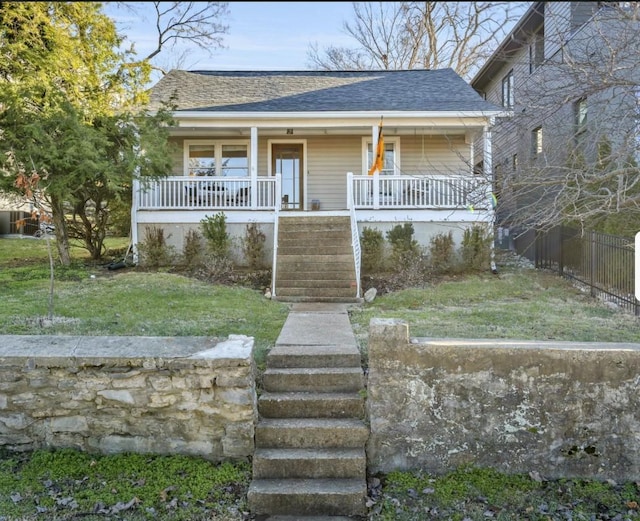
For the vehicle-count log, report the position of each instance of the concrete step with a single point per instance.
(309, 463)
(316, 293)
(291, 355)
(311, 405)
(313, 248)
(303, 234)
(308, 433)
(339, 274)
(321, 259)
(327, 282)
(313, 379)
(313, 220)
(334, 300)
(338, 497)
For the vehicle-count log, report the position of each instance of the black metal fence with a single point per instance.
(604, 263)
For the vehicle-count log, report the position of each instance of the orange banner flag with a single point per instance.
(378, 161)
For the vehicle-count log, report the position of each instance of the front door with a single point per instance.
(287, 161)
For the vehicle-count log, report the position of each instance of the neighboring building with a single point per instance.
(15, 215)
(268, 146)
(568, 73)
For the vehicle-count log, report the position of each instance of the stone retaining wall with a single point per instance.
(179, 395)
(559, 408)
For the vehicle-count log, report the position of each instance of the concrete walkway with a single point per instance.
(317, 329)
(317, 324)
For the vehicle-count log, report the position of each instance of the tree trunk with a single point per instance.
(62, 238)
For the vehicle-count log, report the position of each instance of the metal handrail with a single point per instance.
(275, 236)
(355, 234)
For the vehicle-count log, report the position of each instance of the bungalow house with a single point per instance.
(292, 151)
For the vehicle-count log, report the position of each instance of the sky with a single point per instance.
(261, 35)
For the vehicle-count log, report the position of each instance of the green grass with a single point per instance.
(517, 304)
(89, 299)
(68, 484)
(473, 494)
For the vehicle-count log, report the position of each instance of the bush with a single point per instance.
(216, 269)
(154, 250)
(253, 246)
(403, 245)
(192, 250)
(214, 229)
(441, 253)
(372, 245)
(476, 248)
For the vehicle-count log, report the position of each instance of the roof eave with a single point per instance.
(529, 21)
(374, 115)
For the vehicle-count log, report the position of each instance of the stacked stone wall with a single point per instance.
(193, 396)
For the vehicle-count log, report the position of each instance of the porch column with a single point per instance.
(376, 174)
(488, 168)
(135, 189)
(487, 160)
(253, 168)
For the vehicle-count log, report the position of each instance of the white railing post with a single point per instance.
(350, 201)
(376, 191)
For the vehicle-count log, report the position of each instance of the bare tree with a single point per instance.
(421, 35)
(176, 23)
(576, 130)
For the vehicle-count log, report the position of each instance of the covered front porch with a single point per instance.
(361, 192)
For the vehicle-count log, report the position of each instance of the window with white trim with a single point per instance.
(216, 158)
(391, 156)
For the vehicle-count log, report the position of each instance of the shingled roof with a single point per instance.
(318, 91)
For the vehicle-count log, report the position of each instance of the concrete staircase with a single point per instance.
(315, 259)
(310, 438)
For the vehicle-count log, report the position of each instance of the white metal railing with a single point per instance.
(355, 234)
(188, 193)
(275, 237)
(428, 191)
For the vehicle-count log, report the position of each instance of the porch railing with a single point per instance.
(355, 234)
(435, 191)
(188, 193)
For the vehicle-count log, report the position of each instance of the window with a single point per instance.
(235, 162)
(391, 156)
(216, 158)
(536, 142)
(536, 50)
(580, 114)
(507, 91)
(580, 108)
(202, 160)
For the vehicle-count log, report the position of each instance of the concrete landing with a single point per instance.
(317, 324)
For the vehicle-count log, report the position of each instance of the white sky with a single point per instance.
(261, 36)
